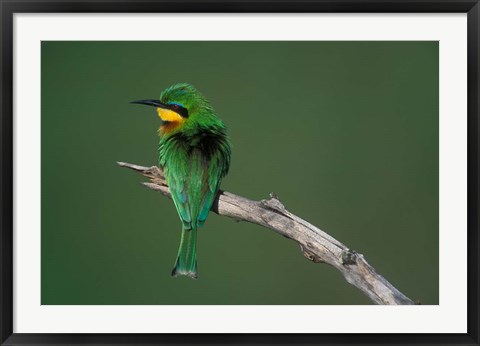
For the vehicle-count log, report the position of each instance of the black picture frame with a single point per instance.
(9, 8)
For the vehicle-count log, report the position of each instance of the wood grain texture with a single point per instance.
(315, 244)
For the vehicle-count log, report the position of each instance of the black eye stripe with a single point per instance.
(179, 109)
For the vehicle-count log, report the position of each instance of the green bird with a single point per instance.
(194, 152)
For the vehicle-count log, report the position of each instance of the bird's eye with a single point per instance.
(174, 106)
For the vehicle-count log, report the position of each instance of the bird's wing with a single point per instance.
(189, 182)
(176, 174)
(193, 180)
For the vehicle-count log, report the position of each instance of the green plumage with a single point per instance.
(195, 157)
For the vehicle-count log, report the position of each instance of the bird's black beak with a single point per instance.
(154, 103)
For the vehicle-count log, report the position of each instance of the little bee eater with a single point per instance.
(194, 152)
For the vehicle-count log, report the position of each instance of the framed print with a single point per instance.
(350, 128)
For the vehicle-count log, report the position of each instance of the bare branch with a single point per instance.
(315, 244)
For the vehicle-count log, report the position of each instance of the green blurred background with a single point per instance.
(346, 133)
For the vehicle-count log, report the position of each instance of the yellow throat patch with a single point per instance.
(173, 119)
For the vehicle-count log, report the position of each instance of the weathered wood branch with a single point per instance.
(315, 244)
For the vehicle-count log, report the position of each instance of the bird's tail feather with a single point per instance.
(186, 263)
